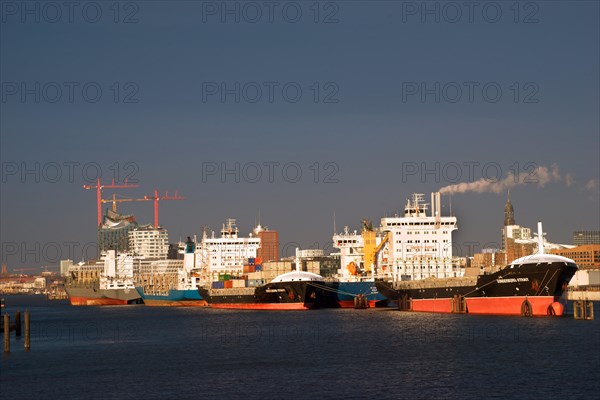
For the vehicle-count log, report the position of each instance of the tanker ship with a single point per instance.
(528, 286)
(108, 281)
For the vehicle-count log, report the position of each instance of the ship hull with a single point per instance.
(102, 297)
(175, 298)
(540, 305)
(529, 289)
(272, 296)
(346, 292)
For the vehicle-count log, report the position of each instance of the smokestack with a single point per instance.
(438, 206)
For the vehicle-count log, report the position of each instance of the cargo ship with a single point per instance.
(349, 293)
(108, 281)
(171, 283)
(528, 286)
(297, 290)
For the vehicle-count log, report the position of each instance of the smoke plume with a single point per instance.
(540, 176)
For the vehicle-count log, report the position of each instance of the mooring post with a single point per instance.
(27, 331)
(18, 324)
(6, 333)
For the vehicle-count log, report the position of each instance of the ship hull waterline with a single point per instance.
(175, 298)
(102, 297)
(527, 290)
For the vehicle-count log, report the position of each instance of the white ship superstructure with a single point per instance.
(420, 245)
(228, 253)
(413, 246)
(118, 271)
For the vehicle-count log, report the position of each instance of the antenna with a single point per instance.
(450, 198)
(334, 222)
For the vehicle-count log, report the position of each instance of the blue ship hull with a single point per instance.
(175, 298)
(347, 292)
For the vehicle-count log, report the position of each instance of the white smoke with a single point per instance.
(540, 176)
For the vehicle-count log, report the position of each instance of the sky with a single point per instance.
(293, 113)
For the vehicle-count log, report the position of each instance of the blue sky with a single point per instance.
(378, 83)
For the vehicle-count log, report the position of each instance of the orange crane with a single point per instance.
(99, 188)
(114, 201)
(155, 198)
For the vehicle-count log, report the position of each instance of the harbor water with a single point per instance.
(117, 352)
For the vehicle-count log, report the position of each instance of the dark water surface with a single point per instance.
(138, 352)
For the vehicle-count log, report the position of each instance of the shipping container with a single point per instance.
(251, 261)
(218, 285)
(255, 282)
(257, 267)
(239, 283)
(228, 284)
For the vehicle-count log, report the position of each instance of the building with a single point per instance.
(510, 229)
(113, 234)
(517, 248)
(489, 260)
(269, 244)
(514, 232)
(149, 242)
(581, 238)
(64, 267)
(586, 256)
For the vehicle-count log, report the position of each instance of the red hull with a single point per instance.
(262, 306)
(175, 303)
(540, 305)
(85, 301)
(350, 303)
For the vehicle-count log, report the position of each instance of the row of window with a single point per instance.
(417, 223)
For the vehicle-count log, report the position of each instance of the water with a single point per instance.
(163, 353)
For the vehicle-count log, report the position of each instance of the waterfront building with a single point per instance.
(581, 238)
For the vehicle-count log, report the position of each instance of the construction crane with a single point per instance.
(155, 198)
(114, 201)
(99, 188)
(158, 198)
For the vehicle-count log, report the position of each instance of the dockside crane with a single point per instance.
(99, 188)
(155, 198)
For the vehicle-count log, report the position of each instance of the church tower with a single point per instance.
(509, 212)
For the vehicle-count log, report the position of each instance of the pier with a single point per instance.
(7, 328)
(589, 293)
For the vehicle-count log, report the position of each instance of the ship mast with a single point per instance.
(540, 238)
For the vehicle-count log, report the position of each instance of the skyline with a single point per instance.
(173, 93)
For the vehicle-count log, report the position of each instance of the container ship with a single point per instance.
(297, 290)
(237, 278)
(108, 281)
(171, 283)
(529, 286)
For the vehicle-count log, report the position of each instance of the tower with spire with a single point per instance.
(509, 212)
